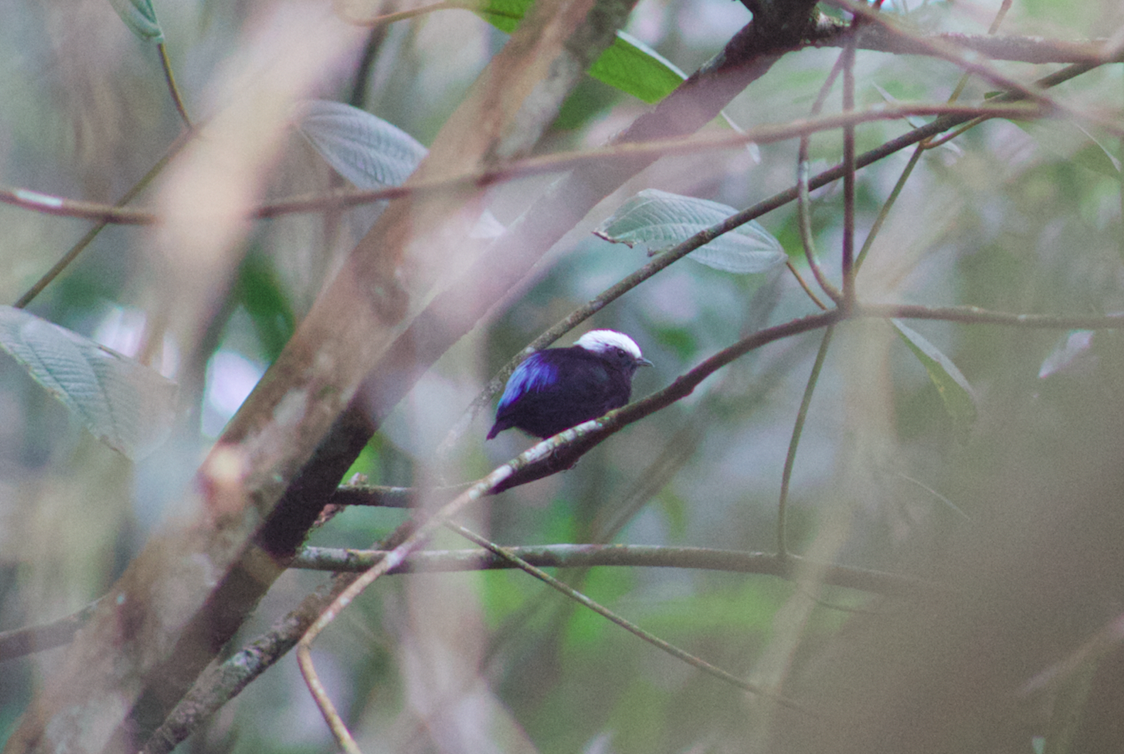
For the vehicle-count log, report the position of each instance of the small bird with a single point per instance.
(559, 388)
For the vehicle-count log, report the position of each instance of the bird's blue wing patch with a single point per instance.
(532, 375)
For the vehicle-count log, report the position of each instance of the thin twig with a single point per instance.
(803, 196)
(804, 285)
(976, 316)
(403, 15)
(794, 443)
(1120, 190)
(170, 79)
(848, 267)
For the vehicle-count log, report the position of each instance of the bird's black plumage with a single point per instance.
(558, 388)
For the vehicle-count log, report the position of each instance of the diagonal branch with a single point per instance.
(192, 587)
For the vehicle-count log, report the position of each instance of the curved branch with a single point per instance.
(48, 204)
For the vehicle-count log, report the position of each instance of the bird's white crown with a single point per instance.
(602, 341)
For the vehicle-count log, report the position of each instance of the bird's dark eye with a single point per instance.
(620, 353)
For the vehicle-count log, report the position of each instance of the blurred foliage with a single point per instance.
(1020, 218)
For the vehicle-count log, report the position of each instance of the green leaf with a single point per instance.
(122, 402)
(958, 396)
(260, 292)
(505, 15)
(139, 16)
(1097, 157)
(633, 67)
(658, 220)
(361, 147)
(1072, 142)
(628, 64)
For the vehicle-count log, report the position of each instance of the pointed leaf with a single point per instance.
(361, 147)
(123, 403)
(958, 396)
(1070, 141)
(505, 15)
(628, 64)
(658, 220)
(631, 66)
(139, 16)
(913, 120)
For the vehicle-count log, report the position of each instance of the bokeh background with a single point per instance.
(1022, 218)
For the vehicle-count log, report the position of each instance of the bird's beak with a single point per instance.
(644, 363)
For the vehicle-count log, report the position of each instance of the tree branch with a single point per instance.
(625, 556)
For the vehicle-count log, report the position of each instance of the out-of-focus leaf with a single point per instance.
(370, 152)
(361, 147)
(658, 219)
(123, 403)
(139, 16)
(586, 628)
(674, 509)
(915, 121)
(259, 291)
(1071, 352)
(1096, 156)
(1069, 140)
(936, 495)
(958, 396)
(628, 64)
(745, 607)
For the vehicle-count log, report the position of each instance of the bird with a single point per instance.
(558, 388)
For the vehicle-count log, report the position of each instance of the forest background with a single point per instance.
(868, 499)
